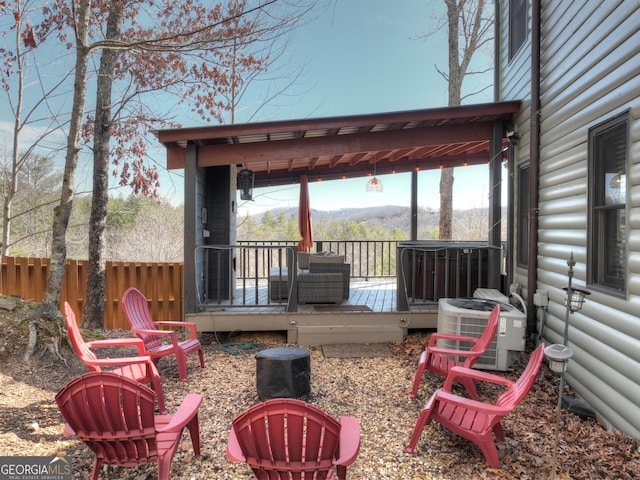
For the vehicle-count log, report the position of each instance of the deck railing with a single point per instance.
(238, 275)
(430, 270)
(368, 258)
(426, 272)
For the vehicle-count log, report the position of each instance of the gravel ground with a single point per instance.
(375, 390)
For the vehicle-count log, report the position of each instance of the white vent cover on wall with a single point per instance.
(468, 316)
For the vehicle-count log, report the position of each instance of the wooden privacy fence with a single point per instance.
(160, 282)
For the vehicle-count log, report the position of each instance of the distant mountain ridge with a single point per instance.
(468, 224)
(388, 216)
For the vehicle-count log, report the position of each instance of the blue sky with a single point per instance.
(360, 56)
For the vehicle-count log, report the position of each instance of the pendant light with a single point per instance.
(374, 185)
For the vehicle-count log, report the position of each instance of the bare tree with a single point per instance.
(49, 306)
(93, 312)
(37, 187)
(17, 63)
(155, 234)
(466, 21)
(222, 59)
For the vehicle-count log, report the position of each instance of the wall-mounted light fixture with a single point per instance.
(513, 137)
(245, 180)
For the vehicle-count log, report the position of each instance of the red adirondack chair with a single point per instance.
(288, 438)
(474, 420)
(136, 309)
(440, 360)
(115, 417)
(140, 368)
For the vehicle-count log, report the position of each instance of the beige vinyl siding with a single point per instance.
(590, 73)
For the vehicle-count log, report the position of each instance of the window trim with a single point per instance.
(599, 212)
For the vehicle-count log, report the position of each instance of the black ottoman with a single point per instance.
(283, 372)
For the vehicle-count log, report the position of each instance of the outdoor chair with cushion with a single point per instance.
(343, 268)
(140, 368)
(136, 309)
(323, 278)
(285, 438)
(440, 360)
(472, 419)
(320, 288)
(114, 416)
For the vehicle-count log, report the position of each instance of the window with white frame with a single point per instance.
(608, 153)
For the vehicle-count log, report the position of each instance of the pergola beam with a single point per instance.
(305, 148)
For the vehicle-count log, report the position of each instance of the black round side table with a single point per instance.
(283, 372)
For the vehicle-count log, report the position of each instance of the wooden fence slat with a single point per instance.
(111, 303)
(161, 283)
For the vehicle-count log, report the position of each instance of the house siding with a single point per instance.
(514, 80)
(590, 72)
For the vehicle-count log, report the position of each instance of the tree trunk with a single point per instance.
(10, 191)
(445, 231)
(49, 308)
(94, 297)
(62, 211)
(446, 204)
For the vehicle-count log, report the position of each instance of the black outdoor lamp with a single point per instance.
(577, 298)
(574, 299)
(245, 179)
(559, 354)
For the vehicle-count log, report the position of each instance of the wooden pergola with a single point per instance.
(280, 152)
(330, 148)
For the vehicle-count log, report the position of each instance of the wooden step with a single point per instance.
(336, 334)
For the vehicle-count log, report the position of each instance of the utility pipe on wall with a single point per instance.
(534, 164)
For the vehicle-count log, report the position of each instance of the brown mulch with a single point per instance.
(376, 390)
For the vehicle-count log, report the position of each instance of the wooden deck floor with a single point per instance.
(369, 315)
(378, 294)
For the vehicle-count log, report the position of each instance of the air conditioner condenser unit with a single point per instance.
(468, 316)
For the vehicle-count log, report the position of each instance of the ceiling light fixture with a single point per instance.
(374, 185)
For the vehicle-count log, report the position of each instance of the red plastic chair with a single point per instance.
(140, 368)
(439, 360)
(474, 420)
(115, 417)
(136, 309)
(285, 438)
